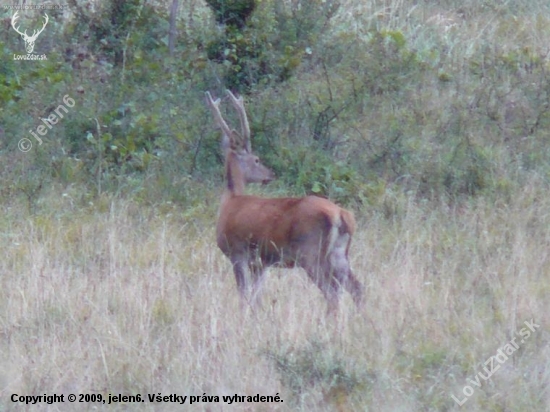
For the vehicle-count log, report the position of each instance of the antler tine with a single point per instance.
(231, 139)
(238, 103)
(218, 118)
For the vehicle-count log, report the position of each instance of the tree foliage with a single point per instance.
(340, 112)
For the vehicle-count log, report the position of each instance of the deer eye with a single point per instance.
(257, 161)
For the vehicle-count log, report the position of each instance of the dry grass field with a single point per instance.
(119, 298)
(113, 292)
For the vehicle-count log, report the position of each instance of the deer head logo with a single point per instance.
(29, 40)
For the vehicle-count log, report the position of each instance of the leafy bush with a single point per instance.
(233, 13)
(116, 30)
(266, 46)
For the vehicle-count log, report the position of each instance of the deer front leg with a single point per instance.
(240, 271)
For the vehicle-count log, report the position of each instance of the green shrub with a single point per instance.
(265, 47)
(313, 368)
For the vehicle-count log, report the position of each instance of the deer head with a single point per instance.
(241, 163)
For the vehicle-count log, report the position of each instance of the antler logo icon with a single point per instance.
(29, 40)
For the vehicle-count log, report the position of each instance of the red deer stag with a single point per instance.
(253, 232)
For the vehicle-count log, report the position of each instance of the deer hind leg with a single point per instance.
(331, 288)
(355, 288)
(321, 277)
(340, 271)
(258, 271)
(345, 277)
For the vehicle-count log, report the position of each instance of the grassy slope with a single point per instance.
(116, 297)
(121, 298)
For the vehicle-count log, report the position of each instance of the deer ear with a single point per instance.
(236, 141)
(225, 144)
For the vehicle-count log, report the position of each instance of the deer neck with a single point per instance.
(234, 178)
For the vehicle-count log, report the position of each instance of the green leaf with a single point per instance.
(317, 187)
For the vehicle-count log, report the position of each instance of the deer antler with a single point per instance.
(227, 133)
(238, 103)
(215, 108)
